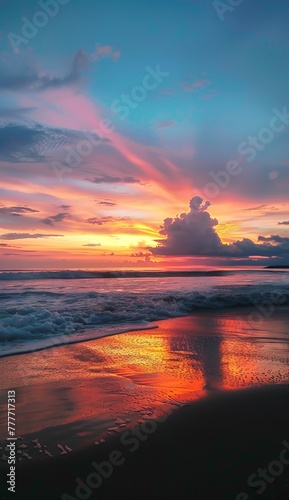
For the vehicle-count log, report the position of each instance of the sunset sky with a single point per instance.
(119, 115)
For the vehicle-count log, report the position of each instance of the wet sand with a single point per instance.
(78, 395)
(205, 450)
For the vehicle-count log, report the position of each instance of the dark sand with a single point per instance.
(206, 450)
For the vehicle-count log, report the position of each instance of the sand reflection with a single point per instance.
(130, 374)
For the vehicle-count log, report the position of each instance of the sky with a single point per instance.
(143, 134)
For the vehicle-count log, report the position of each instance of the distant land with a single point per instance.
(277, 267)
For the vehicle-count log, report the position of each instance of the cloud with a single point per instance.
(16, 211)
(109, 179)
(107, 203)
(31, 141)
(194, 233)
(21, 142)
(15, 112)
(284, 223)
(197, 84)
(146, 256)
(165, 124)
(22, 236)
(92, 245)
(31, 81)
(55, 218)
(104, 51)
(252, 209)
(65, 207)
(274, 239)
(189, 234)
(21, 252)
(99, 221)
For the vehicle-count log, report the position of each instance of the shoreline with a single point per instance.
(111, 377)
(95, 334)
(84, 336)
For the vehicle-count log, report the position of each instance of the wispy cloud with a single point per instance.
(107, 203)
(31, 141)
(253, 209)
(92, 245)
(6, 112)
(22, 236)
(29, 80)
(104, 51)
(55, 218)
(99, 221)
(110, 179)
(23, 142)
(193, 86)
(16, 211)
(165, 124)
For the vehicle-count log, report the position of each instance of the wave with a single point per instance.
(39, 344)
(72, 315)
(36, 293)
(80, 274)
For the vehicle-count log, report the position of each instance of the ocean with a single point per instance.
(42, 309)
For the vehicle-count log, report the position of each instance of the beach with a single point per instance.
(210, 393)
(144, 250)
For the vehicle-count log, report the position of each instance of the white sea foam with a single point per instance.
(36, 315)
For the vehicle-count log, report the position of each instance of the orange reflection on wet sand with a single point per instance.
(93, 383)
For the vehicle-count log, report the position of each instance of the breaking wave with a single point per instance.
(31, 319)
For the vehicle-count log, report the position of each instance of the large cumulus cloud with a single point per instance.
(194, 233)
(190, 233)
